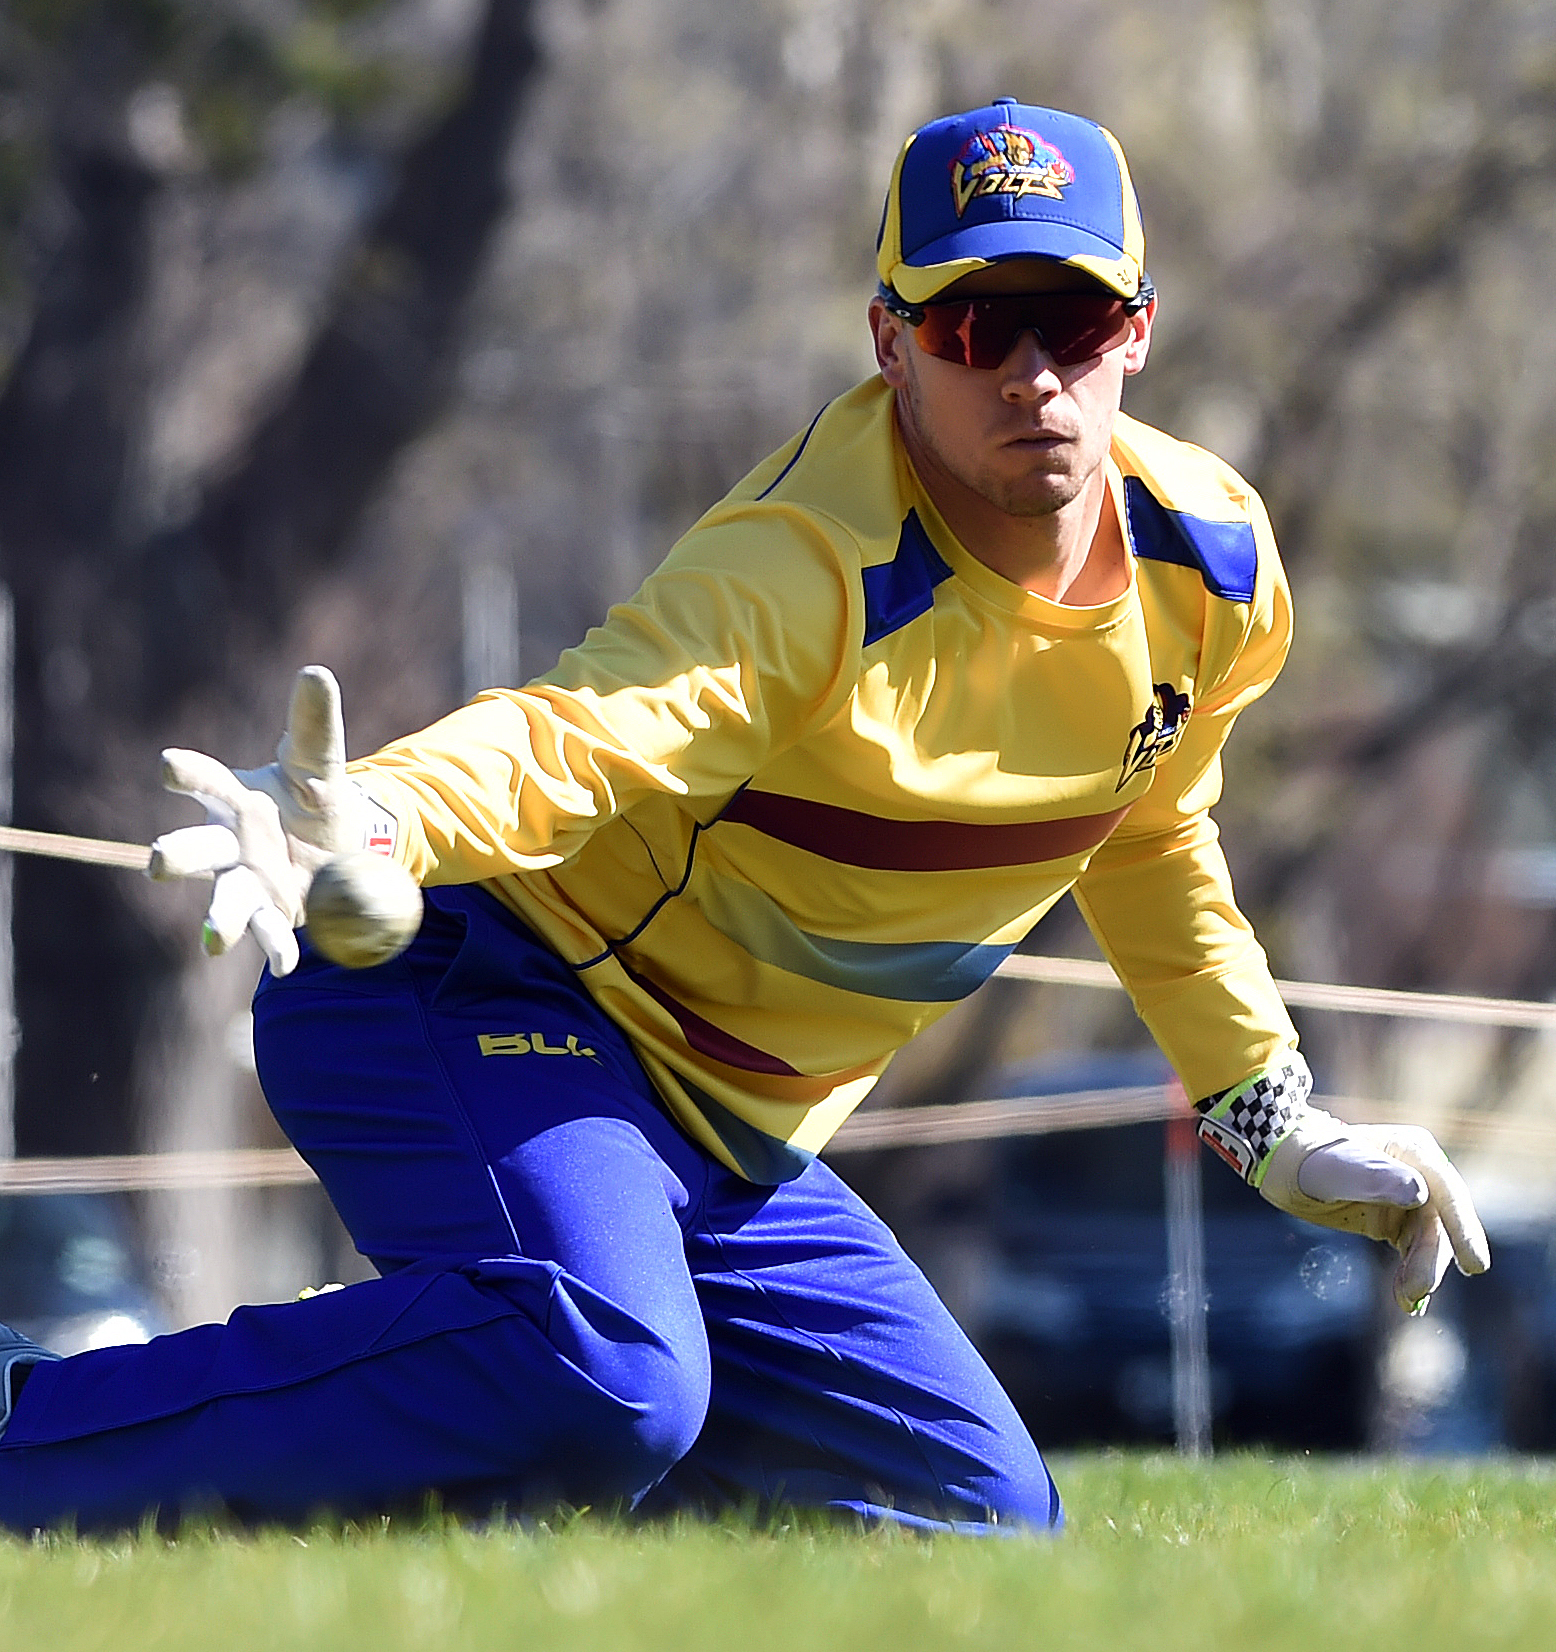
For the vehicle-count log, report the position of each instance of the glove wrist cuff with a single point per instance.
(1245, 1124)
(380, 827)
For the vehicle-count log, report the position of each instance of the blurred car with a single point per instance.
(69, 1273)
(1479, 1372)
(1074, 1309)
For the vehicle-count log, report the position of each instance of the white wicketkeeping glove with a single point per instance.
(1387, 1181)
(269, 830)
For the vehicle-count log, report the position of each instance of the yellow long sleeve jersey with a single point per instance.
(807, 788)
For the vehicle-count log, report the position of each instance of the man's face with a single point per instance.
(1025, 436)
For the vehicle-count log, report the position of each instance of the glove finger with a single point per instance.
(314, 744)
(267, 851)
(1352, 1171)
(197, 775)
(1450, 1198)
(1426, 1253)
(275, 938)
(193, 852)
(238, 895)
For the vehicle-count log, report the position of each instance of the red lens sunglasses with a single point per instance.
(981, 332)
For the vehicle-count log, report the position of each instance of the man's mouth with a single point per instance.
(1036, 439)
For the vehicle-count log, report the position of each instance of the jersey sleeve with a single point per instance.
(731, 650)
(1158, 894)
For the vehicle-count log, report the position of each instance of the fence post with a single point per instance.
(489, 604)
(1187, 1299)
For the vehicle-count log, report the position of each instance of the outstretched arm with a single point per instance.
(741, 641)
(732, 649)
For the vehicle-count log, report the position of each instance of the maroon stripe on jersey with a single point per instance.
(709, 1040)
(858, 839)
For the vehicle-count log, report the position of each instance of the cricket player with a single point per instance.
(972, 639)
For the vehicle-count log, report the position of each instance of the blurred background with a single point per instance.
(406, 335)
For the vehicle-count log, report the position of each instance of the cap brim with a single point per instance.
(939, 263)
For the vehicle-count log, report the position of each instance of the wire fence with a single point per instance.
(1186, 1299)
(1315, 995)
(966, 1121)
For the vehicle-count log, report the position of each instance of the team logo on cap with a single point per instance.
(1008, 161)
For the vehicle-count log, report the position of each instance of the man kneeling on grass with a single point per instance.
(972, 639)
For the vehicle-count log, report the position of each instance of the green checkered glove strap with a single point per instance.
(1244, 1125)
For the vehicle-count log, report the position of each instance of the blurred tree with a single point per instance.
(118, 633)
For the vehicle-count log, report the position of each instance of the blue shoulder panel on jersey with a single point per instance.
(902, 589)
(1225, 553)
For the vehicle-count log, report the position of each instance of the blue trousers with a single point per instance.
(575, 1302)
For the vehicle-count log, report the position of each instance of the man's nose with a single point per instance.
(1029, 372)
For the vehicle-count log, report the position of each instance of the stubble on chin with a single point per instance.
(1032, 496)
(1035, 491)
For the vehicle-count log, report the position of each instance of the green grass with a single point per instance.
(1247, 1552)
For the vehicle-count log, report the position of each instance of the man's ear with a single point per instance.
(1138, 345)
(890, 334)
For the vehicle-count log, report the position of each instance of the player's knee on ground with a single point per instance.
(1027, 1498)
(1018, 1498)
(604, 1406)
(1012, 1491)
(649, 1419)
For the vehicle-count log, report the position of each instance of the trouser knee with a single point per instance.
(1024, 1496)
(647, 1418)
(589, 1412)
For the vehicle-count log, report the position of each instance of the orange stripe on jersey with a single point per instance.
(857, 839)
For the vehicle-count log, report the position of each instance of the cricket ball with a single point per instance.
(362, 909)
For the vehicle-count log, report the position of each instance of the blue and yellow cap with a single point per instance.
(1010, 180)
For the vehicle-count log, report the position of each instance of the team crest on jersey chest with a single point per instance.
(1156, 734)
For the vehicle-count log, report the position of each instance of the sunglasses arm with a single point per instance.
(895, 305)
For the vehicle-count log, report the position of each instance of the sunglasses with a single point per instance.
(981, 332)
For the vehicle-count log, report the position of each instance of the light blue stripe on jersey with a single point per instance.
(917, 972)
(761, 1158)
